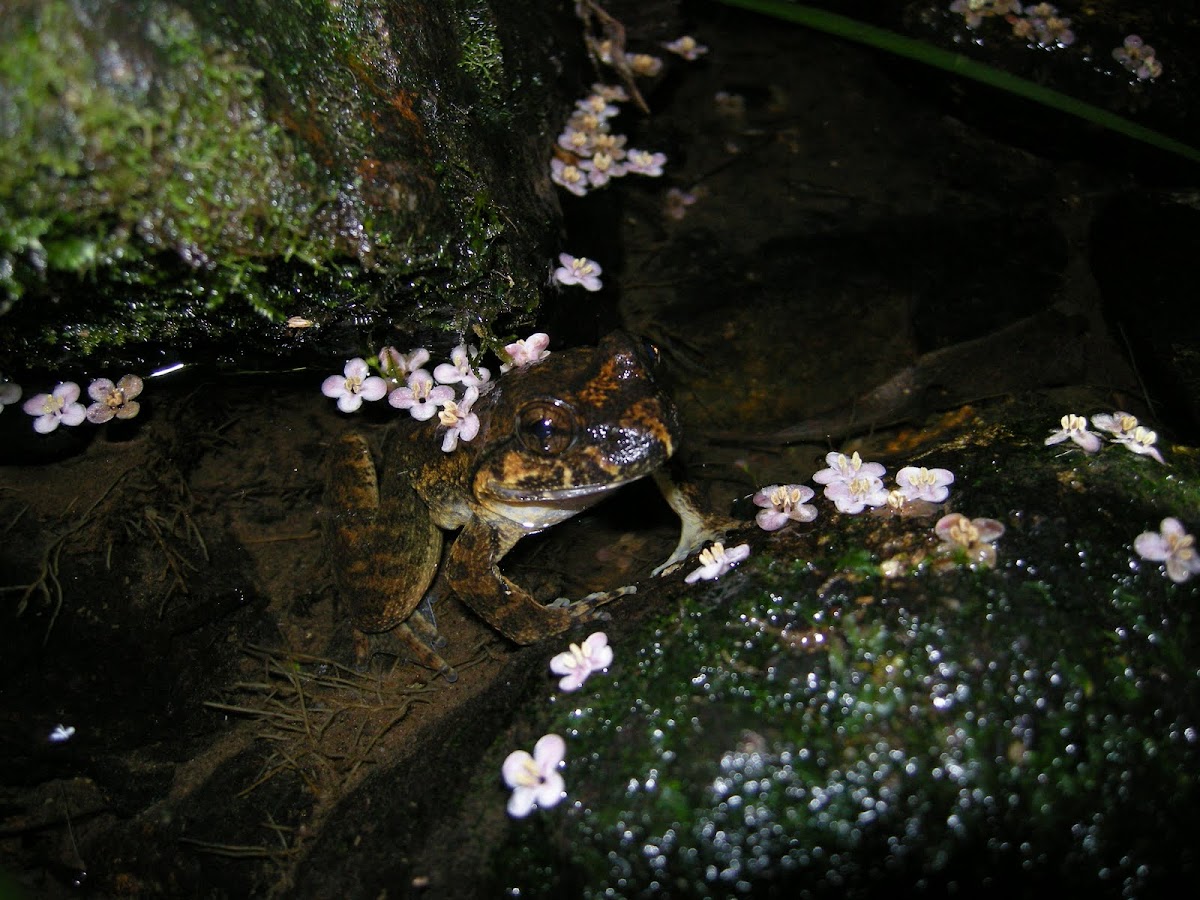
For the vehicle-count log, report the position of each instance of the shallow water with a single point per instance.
(844, 226)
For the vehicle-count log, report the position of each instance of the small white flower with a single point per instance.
(525, 351)
(601, 168)
(975, 536)
(612, 144)
(855, 495)
(920, 483)
(62, 733)
(644, 64)
(460, 371)
(114, 399)
(420, 397)
(1115, 423)
(1075, 428)
(597, 105)
(1141, 441)
(59, 407)
(568, 176)
(581, 660)
(643, 162)
(355, 385)
(458, 420)
(613, 92)
(715, 561)
(535, 780)
(10, 393)
(578, 270)
(1172, 545)
(686, 47)
(576, 140)
(841, 467)
(396, 366)
(783, 503)
(585, 121)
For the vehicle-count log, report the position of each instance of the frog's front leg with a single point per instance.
(473, 571)
(697, 526)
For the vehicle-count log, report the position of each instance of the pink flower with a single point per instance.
(59, 407)
(460, 371)
(686, 47)
(644, 64)
(783, 503)
(1138, 57)
(578, 270)
(841, 467)
(975, 536)
(535, 780)
(602, 167)
(526, 351)
(458, 420)
(396, 367)
(1117, 423)
(568, 176)
(581, 660)
(1075, 428)
(715, 561)
(855, 495)
(10, 393)
(354, 386)
(924, 484)
(576, 140)
(643, 162)
(597, 105)
(1171, 545)
(613, 92)
(114, 399)
(420, 397)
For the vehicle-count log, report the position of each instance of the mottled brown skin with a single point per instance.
(555, 437)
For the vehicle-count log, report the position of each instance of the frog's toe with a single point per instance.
(694, 535)
(406, 643)
(594, 599)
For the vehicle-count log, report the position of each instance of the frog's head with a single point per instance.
(563, 432)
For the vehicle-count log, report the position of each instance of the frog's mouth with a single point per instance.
(581, 492)
(537, 508)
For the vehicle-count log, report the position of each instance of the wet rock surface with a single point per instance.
(852, 710)
(181, 179)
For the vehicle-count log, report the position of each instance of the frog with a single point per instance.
(555, 437)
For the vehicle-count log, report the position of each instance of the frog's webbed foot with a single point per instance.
(596, 598)
(697, 527)
(508, 607)
(415, 639)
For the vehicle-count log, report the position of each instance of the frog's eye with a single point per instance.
(546, 426)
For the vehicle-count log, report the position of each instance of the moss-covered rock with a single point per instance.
(180, 178)
(812, 726)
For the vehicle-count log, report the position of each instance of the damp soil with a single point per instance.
(166, 589)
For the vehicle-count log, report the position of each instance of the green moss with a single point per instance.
(108, 166)
(819, 727)
(182, 170)
(482, 53)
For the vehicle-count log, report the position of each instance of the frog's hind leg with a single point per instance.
(385, 551)
(414, 640)
(506, 606)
